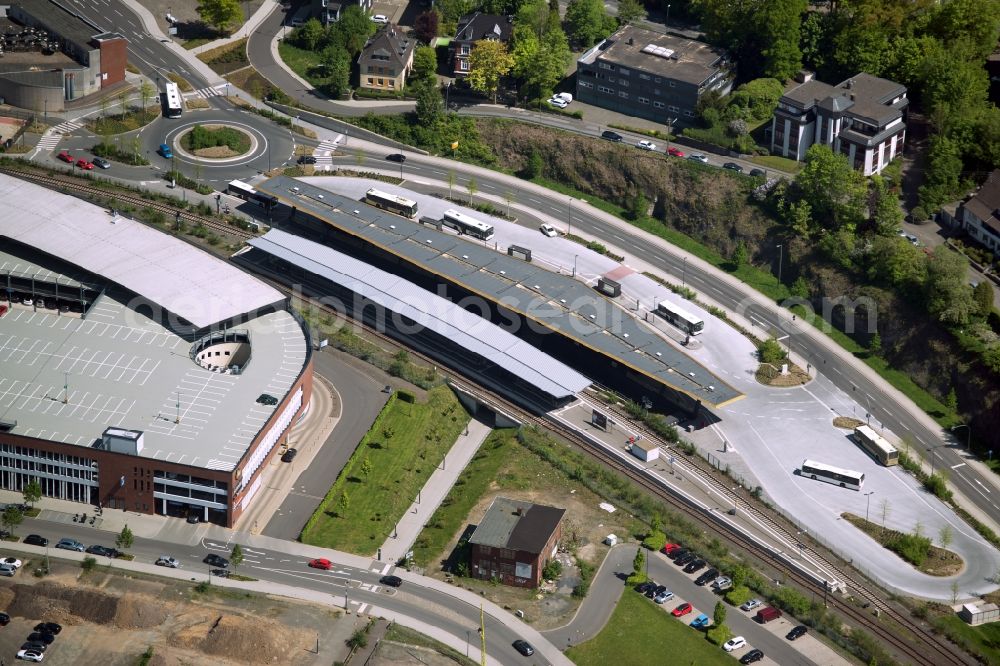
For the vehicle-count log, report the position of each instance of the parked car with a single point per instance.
(695, 566)
(216, 561)
(36, 540)
(103, 551)
(167, 561)
(675, 152)
(701, 621)
(766, 614)
(611, 136)
(750, 605)
(11, 562)
(221, 573)
(698, 157)
(381, 19)
(164, 151)
(391, 581)
(396, 157)
(548, 230)
(651, 590)
(752, 656)
(4, 619)
(642, 587)
(101, 163)
(707, 577)
(733, 166)
(669, 549)
(37, 646)
(321, 563)
(679, 553)
(686, 559)
(70, 544)
(722, 583)
(3, 310)
(66, 157)
(49, 627)
(524, 647)
(758, 173)
(683, 609)
(306, 159)
(41, 637)
(646, 145)
(193, 519)
(84, 164)
(734, 643)
(557, 102)
(7, 570)
(289, 455)
(663, 597)
(796, 632)
(30, 655)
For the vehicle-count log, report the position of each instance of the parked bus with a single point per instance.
(392, 203)
(680, 318)
(468, 225)
(240, 189)
(844, 478)
(876, 445)
(174, 103)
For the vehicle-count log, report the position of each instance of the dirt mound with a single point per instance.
(140, 612)
(62, 604)
(242, 639)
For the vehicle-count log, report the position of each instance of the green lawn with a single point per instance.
(302, 62)
(777, 162)
(405, 444)
(475, 479)
(640, 632)
(983, 640)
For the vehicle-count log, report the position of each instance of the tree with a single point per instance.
(639, 562)
(887, 216)
(949, 298)
(945, 536)
(236, 556)
(540, 61)
(430, 106)
(943, 177)
(982, 295)
(535, 165)
(472, 187)
(489, 62)
(125, 539)
(875, 344)
(32, 492)
(763, 37)
(630, 11)
(146, 91)
(337, 63)
(11, 517)
(220, 14)
(308, 35)
(951, 400)
(366, 467)
(424, 66)
(343, 504)
(897, 262)
(757, 99)
(426, 26)
(586, 21)
(833, 188)
(719, 614)
(352, 30)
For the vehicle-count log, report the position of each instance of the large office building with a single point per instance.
(651, 75)
(139, 373)
(863, 118)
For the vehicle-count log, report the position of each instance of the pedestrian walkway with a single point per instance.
(433, 492)
(49, 140)
(324, 153)
(67, 126)
(205, 93)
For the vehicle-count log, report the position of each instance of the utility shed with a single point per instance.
(976, 614)
(644, 449)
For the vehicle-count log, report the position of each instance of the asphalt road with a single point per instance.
(361, 400)
(739, 298)
(361, 585)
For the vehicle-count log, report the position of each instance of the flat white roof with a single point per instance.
(167, 271)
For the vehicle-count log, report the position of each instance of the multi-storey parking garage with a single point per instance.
(138, 372)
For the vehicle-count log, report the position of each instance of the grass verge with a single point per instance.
(639, 632)
(131, 120)
(777, 162)
(983, 641)
(407, 636)
(402, 449)
(196, 42)
(303, 62)
(914, 548)
(181, 82)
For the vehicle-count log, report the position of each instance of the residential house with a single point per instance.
(514, 541)
(472, 28)
(651, 75)
(386, 60)
(863, 118)
(328, 11)
(980, 214)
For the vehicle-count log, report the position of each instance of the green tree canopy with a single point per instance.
(430, 106)
(896, 262)
(337, 62)
(630, 11)
(352, 30)
(587, 21)
(834, 190)
(426, 25)
(308, 35)
(32, 491)
(949, 297)
(125, 539)
(763, 37)
(424, 66)
(236, 556)
(223, 15)
(489, 62)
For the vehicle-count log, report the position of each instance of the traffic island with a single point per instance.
(915, 548)
(216, 142)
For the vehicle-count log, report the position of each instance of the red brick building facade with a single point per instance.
(514, 541)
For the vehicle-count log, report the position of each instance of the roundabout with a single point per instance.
(215, 143)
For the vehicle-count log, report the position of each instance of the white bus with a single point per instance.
(876, 445)
(174, 103)
(391, 202)
(240, 189)
(468, 225)
(680, 318)
(844, 478)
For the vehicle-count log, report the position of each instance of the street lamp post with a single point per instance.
(968, 431)
(736, 501)
(570, 217)
(684, 278)
(781, 256)
(868, 497)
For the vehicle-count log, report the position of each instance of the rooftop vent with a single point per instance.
(658, 51)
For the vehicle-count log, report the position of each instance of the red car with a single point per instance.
(674, 152)
(3, 310)
(670, 548)
(65, 157)
(683, 609)
(321, 563)
(84, 164)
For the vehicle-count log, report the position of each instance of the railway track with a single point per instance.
(74, 186)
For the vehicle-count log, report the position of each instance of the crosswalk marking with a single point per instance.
(205, 93)
(49, 140)
(67, 126)
(324, 153)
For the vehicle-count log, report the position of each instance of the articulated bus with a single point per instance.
(680, 318)
(876, 445)
(468, 225)
(240, 189)
(391, 202)
(174, 102)
(844, 478)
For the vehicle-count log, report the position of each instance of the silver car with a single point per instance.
(70, 544)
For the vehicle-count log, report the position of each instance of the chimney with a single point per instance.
(631, 41)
